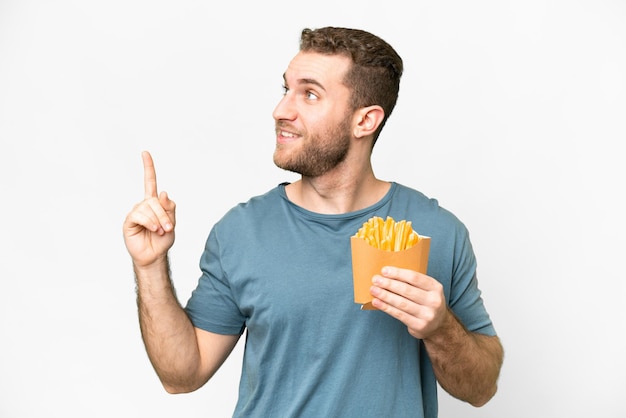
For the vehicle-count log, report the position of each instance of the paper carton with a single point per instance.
(368, 261)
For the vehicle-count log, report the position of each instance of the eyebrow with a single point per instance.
(306, 81)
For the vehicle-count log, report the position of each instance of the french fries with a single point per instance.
(388, 234)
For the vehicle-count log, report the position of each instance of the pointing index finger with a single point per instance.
(149, 175)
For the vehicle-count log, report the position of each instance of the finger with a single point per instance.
(149, 214)
(170, 210)
(164, 221)
(418, 288)
(392, 304)
(411, 277)
(149, 175)
(401, 306)
(394, 292)
(167, 203)
(404, 286)
(142, 216)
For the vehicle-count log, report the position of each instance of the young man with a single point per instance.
(279, 266)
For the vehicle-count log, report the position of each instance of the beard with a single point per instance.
(318, 154)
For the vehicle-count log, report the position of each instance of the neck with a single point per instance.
(338, 191)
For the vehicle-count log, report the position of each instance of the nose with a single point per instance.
(285, 109)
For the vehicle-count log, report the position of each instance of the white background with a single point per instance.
(511, 113)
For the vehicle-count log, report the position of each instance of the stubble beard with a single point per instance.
(318, 154)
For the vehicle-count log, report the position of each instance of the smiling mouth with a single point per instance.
(284, 136)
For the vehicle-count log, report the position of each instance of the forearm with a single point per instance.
(166, 330)
(467, 365)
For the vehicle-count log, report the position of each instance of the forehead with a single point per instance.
(322, 69)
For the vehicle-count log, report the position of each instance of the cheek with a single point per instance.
(324, 122)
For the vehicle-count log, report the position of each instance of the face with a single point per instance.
(313, 119)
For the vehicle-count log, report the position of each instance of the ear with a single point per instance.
(367, 120)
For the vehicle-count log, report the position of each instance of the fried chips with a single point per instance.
(387, 234)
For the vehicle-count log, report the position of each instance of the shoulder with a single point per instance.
(254, 210)
(425, 207)
(415, 197)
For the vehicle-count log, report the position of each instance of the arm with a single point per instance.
(467, 365)
(184, 357)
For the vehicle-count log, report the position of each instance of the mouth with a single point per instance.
(284, 136)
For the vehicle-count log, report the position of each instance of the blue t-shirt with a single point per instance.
(284, 275)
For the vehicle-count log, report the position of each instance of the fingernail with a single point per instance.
(375, 291)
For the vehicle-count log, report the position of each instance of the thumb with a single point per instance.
(167, 204)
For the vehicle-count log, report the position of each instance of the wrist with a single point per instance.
(449, 330)
(152, 275)
(156, 266)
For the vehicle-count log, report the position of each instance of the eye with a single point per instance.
(285, 89)
(310, 95)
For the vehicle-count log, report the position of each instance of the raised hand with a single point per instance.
(149, 227)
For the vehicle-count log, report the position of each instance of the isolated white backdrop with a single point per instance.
(512, 114)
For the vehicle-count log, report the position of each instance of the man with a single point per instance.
(279, 266)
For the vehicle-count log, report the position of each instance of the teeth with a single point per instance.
(287, 134)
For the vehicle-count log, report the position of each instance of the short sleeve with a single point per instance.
(465, 296)
(212, 306)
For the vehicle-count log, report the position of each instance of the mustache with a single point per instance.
(285, 126)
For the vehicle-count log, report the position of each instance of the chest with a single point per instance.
(294, 278)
